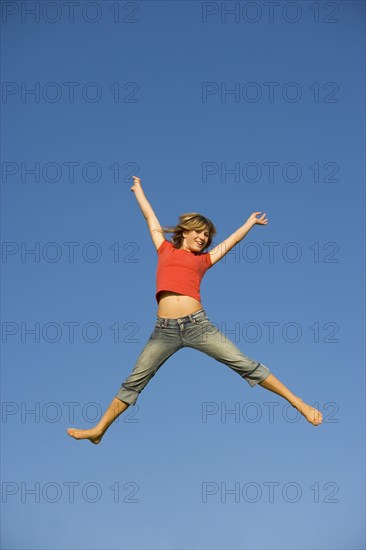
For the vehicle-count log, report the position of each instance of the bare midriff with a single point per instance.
(173, 305)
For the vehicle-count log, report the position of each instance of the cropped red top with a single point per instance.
(180, 271)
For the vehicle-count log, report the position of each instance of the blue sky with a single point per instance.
(146, 90)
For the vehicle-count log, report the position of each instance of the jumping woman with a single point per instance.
(181, 319)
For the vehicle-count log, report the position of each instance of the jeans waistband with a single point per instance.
(166, 321)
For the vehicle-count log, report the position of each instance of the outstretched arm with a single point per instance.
(223, 248)
(155, 229)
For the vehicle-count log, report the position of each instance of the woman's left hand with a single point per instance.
(261, 221)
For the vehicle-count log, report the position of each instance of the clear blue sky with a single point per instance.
(142, 92)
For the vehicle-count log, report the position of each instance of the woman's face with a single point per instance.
(195, 241)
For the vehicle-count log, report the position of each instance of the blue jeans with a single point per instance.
(192, 331)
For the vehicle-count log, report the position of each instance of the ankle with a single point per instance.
(295, 401)
(99, 430)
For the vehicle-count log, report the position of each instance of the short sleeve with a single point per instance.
(206, 259)
(163, 246)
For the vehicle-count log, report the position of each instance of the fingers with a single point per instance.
(257, 214)
(262, 217)
(136, 183)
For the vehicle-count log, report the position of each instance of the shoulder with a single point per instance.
(207, 259)
(164, 244)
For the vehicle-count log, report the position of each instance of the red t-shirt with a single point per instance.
(180, 271)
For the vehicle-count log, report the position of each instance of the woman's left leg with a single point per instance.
(311, 414)
(204, 336)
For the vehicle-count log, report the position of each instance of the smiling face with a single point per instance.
(195, 240)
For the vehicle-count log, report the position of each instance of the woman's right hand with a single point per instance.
(136, 184)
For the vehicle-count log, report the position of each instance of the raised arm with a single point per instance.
(155, 229)
(223, 248)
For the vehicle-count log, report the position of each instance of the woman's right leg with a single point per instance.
(162, 344)
(95, 434)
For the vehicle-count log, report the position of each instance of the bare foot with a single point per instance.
(93, 435)
(312, 415)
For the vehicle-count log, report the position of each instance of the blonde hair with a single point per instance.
(188, 222)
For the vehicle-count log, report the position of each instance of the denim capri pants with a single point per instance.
(192, 331)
